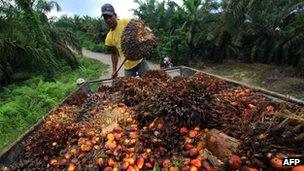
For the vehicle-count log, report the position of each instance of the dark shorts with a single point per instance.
(139, 70)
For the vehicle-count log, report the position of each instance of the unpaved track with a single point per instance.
(106, 59)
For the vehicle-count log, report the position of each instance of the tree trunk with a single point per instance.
(190, 53)
(221, 145)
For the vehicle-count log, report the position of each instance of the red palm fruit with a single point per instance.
(108, 169)
(197, 163)
(173, 168)
(276, 162)
(125, 165)
(166, 163)
(111, 162)
(298, 168)
(183, 130)
(188, 146)
(131, 168)
(246, 168)
(193, 152)
(192, 133)
(133, 135)
(234, 162)
(140, 162)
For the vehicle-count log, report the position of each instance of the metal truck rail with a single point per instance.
(14, 152)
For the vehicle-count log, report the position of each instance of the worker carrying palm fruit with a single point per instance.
(125, 47)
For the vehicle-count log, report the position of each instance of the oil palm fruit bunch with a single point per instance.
(138, 41)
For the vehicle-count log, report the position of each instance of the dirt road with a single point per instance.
(106, 59)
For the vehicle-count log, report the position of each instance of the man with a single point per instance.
(113, 40)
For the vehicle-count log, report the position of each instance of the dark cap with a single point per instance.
(107, 9)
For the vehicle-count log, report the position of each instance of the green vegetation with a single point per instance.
(90, 45)
(22, 104)
(30, 43)
(90, 31)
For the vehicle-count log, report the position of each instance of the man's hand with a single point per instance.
(114, 74)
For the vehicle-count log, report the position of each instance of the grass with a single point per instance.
(23, 104)
(281, 79)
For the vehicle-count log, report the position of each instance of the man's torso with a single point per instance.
(114, 39)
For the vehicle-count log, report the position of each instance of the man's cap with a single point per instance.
(80, 81)
(107, 9)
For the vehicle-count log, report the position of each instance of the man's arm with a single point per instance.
(114, 58)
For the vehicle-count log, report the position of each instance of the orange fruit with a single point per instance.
(111, 162)
(298, 168)
(173, 168)
(117, 136)
(197, 163)
(85, 147)
(166, 163)
(140, 162)
(110, 137)
(131, 168)
(183, 130)
(71, 167)
(193, 168)
(193, 152)
(125, 165)
(276, 162)
(129, 160)
(192, 133)
(133, 135)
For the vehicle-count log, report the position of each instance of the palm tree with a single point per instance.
(43, 7)
(192, 12)
(59, 38)
(267, 28)
(31, 45)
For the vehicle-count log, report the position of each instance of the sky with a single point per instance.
(92, 7)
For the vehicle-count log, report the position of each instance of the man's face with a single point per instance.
(110, 20)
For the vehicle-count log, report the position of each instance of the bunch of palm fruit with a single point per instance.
(138, 41)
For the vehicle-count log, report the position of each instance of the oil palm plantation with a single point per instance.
(29, 43)
(246, 30)
(269, 31)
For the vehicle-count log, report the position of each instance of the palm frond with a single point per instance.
(47, 6)
(15, 54)
(62, 51)
(67, 37)
(297, 6)
(294, 41)
(16, 50)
